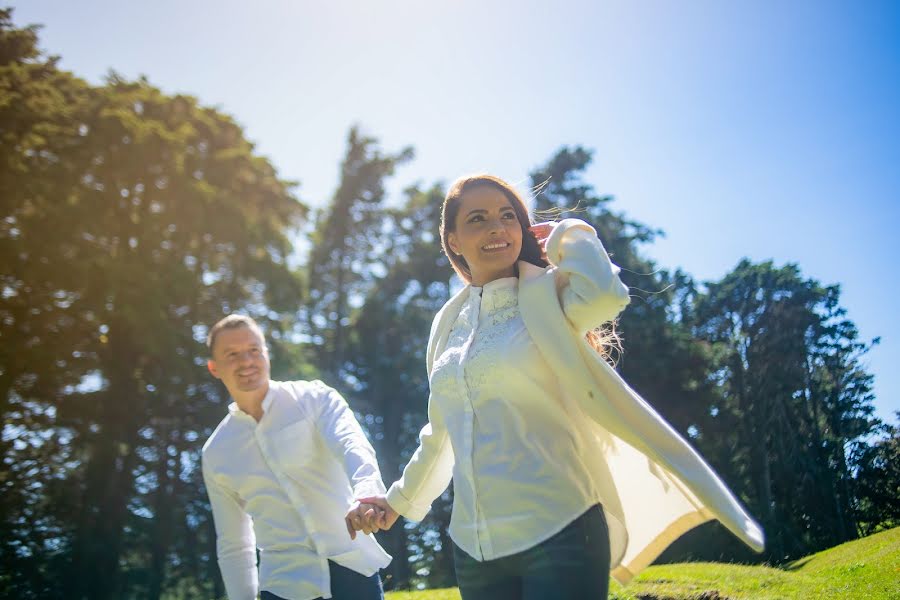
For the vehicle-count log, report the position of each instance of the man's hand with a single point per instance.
(369, 515)
(362, 516)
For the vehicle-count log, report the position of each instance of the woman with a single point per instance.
(560, 470)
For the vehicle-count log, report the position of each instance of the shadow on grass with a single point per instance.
(710, 595)
(793, 566)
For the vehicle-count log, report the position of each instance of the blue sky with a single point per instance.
(762, 129)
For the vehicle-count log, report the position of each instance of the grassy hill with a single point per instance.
(866, 569)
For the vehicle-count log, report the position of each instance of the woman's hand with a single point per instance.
(541, 232)
(371, 514)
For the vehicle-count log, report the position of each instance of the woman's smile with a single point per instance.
(496, 246)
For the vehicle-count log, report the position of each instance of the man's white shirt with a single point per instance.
(284, 485)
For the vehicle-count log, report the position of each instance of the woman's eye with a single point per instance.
(476, 218)
(510, 215)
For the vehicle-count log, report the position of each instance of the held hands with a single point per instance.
(369, 515)
(360, 517)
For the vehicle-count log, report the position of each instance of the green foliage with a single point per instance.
(877, 482)
(388, 358)
(794, 400)
(348, 245)
(132, 219)
(377, 278)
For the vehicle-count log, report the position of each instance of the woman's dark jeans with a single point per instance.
(573, 564)
(346, 584)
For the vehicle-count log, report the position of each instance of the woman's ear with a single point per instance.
(452, 243)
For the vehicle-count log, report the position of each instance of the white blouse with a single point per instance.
(517, 475)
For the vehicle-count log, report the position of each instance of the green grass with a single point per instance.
(444, 594)
(866, 569)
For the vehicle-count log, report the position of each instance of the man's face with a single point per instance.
(240, 359)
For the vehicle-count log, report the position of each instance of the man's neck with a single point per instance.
(251, 402)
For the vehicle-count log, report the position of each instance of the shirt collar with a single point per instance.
(235, 411)
(270, 395)
(496, 284)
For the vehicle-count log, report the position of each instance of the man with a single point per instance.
(282, 470)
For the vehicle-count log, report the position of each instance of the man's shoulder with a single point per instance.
(216, 438)
(304, 390)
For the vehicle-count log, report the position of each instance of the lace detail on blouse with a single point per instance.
(443, 376)
(499, 320)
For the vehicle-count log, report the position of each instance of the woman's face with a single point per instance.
(487, 234)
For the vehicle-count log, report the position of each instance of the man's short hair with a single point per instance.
(231, 322)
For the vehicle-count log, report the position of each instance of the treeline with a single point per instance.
(132, 219)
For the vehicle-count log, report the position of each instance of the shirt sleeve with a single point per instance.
(428, 472)
(591, 293)
(347, 441)
(235, 540)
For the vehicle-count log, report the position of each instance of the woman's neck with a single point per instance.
(481, 279)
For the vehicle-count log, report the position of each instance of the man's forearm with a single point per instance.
(240, 576)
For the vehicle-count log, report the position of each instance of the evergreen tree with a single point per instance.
(131, 220)
(388, 358)
(877, 482)
(794, 397)
(348, 245)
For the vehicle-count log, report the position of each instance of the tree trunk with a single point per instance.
(162, 521)
(110, 481)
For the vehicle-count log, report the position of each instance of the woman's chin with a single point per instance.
(499, 260)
